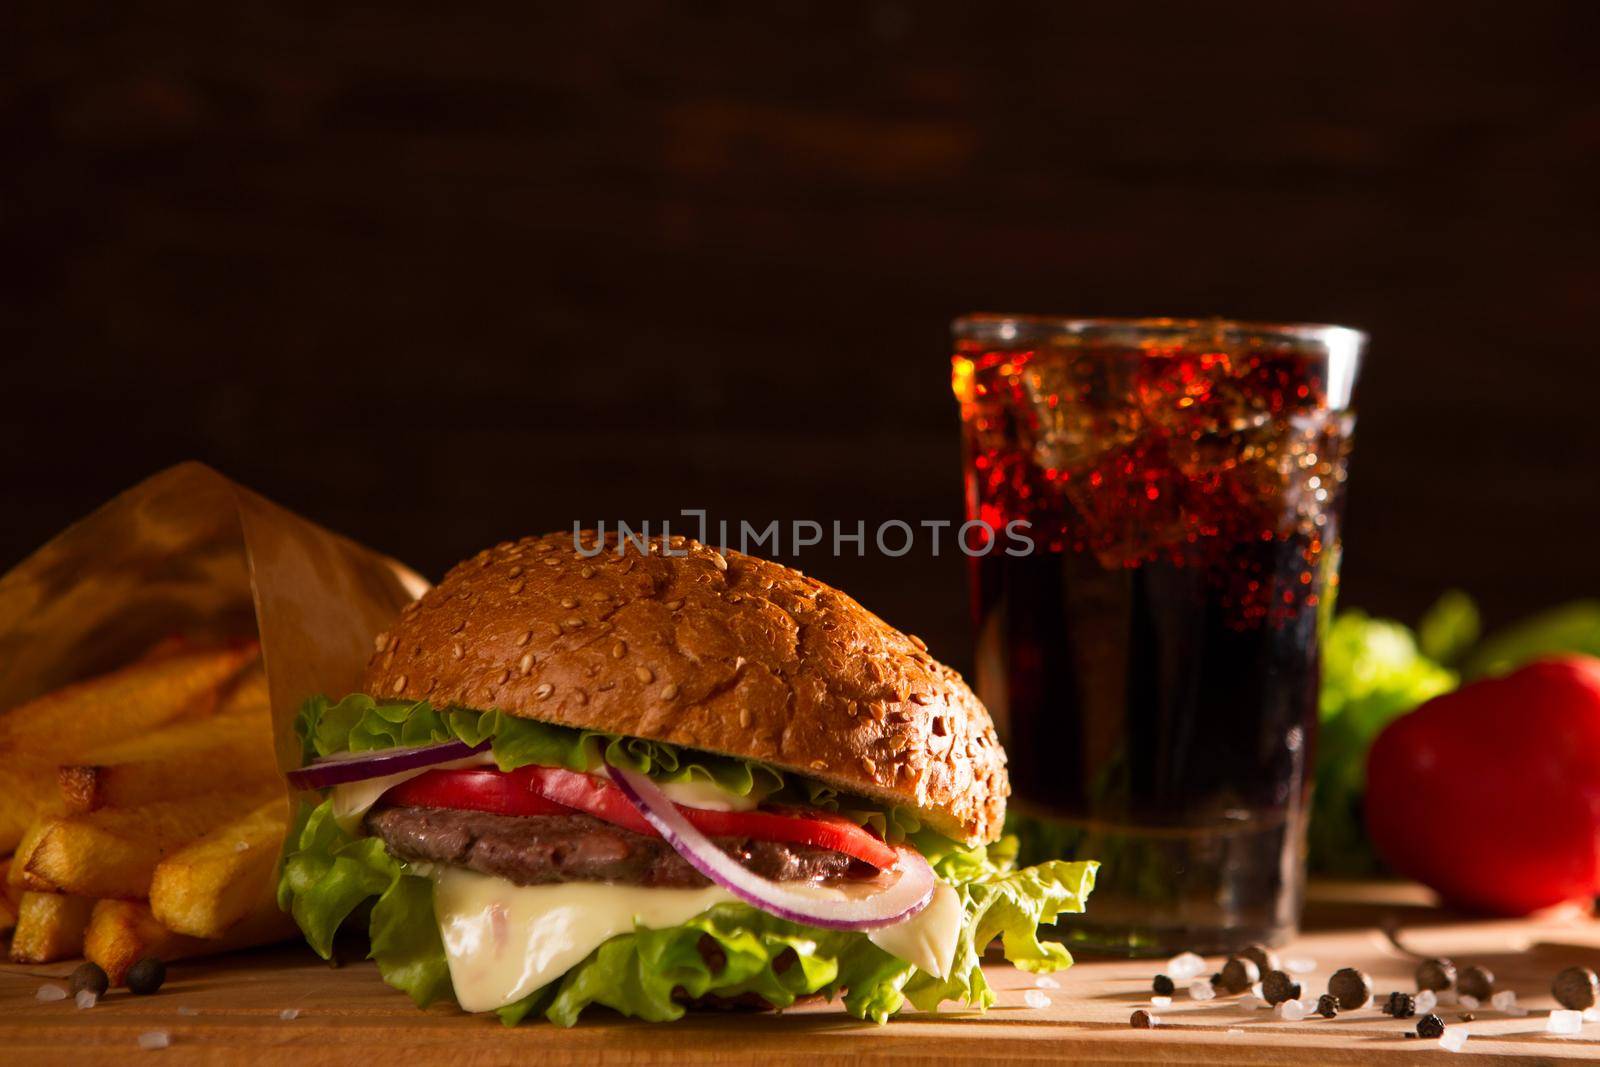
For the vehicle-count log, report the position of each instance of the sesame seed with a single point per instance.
(819, 765)
(586, 572)
(514, 571)
(674, 605)
(545, 547)
(720, 561)
(744, 717)
(544, 691)
(381, 642)
(868, 766)
(734, 598)
(644, 674)
(579, 698)
(573, 621)
(551, 561)
(669, 691)
(525, 664)
(505, 676)
(398, 684)
(516, 586)
(919, 642)
(921, 698)
(457, 651)
(619, 650)
(433, 683)
(568, 602)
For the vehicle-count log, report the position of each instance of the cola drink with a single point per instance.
(1151, 656)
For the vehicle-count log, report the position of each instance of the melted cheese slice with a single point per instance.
(353, 800)
(503, 941)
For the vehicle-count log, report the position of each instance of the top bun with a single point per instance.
(710, 650)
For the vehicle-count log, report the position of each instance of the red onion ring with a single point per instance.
(359, 766)
(909, 894)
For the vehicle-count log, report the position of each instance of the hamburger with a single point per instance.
(650, 775)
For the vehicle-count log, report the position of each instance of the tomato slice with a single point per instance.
(473, 789)
(555, 791)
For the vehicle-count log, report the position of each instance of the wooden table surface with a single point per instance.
(232, 1010)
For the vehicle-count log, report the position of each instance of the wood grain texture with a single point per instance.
(229, 1011)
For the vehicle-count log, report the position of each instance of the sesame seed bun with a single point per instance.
(721, 652)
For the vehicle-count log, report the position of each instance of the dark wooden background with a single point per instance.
(441, 278)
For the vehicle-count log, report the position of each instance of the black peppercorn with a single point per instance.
(1263, 957)
(1475, 982)
(1401, 1005)
(1327, 1005)
(1352, 987)
(146, 976)
(1411, 1033)
(1141, 1020)
(1430, 1026)
(1239, 974)
(1436, 974)
(1576, 988)
(1278, 987)
(91, 977)
(1162, 986)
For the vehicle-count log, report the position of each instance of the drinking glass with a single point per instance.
(1168, 493)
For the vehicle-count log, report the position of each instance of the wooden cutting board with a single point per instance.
(283, 1006)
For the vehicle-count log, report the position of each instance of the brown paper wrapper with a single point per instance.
(189, 551)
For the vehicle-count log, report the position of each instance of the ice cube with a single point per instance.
(48, 993)
(1564, 1022)
(1202, 989)
(86, 998)
(154, 1039)
(1299, 965)
(1033, 998)
(1044, 981)
(294, 1013)
(1252, 1000)
(1453, 1039)
(1504, 1000)
(1292, 1011)
(1426, 1000)
(1468, 1002)
(1184, 966)
(1161, 1002)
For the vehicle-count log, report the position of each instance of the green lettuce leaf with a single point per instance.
(1573, 627)
(327, 877)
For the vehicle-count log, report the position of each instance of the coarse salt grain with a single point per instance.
(1299, 965)
(289, 1013)
(1504, 1000)
(47, 993)
(1590, 1015)
(86, 998)
(1233, 1030)
(1470, 1003)
(1201, 990)
(1253, 1000)
(1184, 966)
(1161, 1002)
(1033, 998)
(1291, 1011)
(1453, 1039)
(1044, 981)
(185, 1009)
(154, 1039)
(1426, 1001)
(1564, 1022)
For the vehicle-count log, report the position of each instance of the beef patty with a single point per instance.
(546, 849)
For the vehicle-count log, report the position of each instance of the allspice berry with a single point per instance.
(1263, 957)
(1327, 1005)
(1436, 974)
(1239, 974)
(1430, 1026)
(1162, 986)
(1141, 1020)
(1351, 987)
(1278, 987)
(1576, 988)
(1475, 982)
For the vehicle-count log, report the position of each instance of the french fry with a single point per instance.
(27, 791)
(114, 852)
(208, 887)
(50, 927)
(8, 899)
(123, 932)
(222, 752)
(130, 702)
